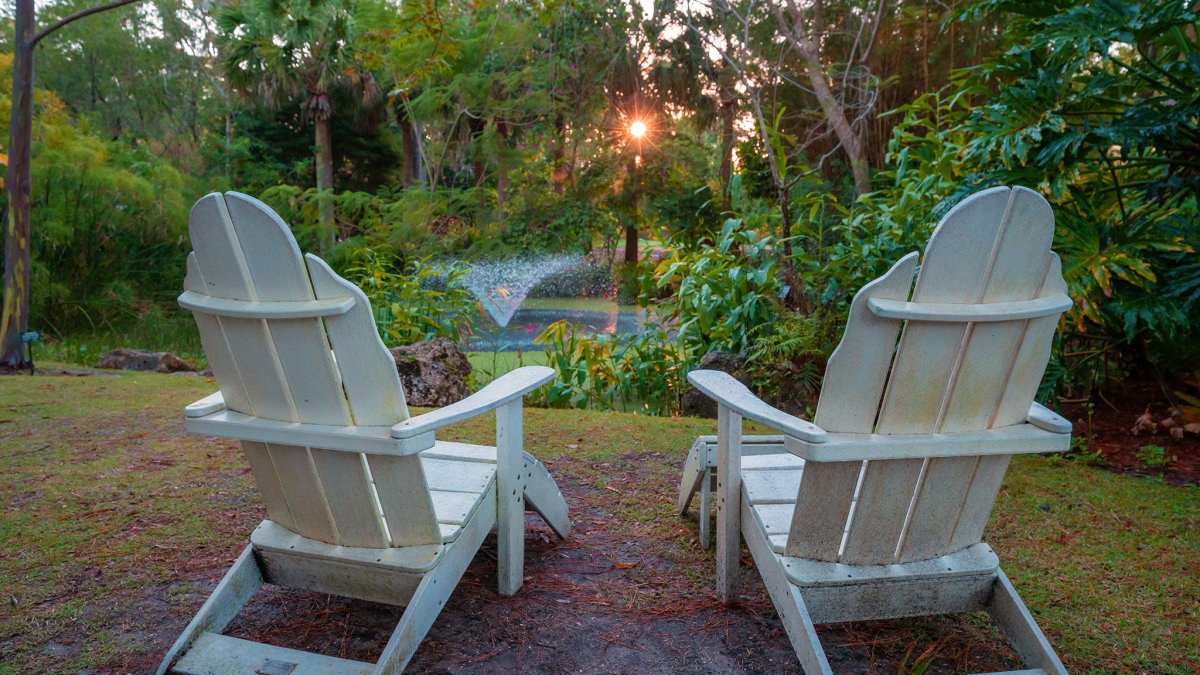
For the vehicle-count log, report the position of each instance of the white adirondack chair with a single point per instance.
(878, 509)
(361, 500)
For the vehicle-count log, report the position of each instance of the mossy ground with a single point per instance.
(117, 524)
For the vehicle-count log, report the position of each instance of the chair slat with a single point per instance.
(304, 493)
(369, 375)
(926, 372)
(269, 486)
(982, 383)
(857, 370)
(940, 499)
(1029, 364)
(372, 387)
(981, 497)
(216, 347)
(822, 508)
(854, 382)
(881, 511)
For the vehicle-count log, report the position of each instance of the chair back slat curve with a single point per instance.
(923, 365)
(287, 346)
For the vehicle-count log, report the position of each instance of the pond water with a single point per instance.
(600, 315)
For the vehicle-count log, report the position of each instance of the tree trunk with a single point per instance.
(835, 114)
(795, 298)
(14, 315)
(831, 106)
(411, 174)
(728, 110)
(631, 244)
(325, 183)
(559, 178)
(14, 319)
(631, 229)
(502, 160)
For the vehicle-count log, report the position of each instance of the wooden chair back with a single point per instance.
(289, 340)
(945, 374)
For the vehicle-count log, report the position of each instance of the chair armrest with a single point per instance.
(1017, 439)
(1044, 418)
(205, 406)
(374, 440)
(502, 390)
(727, 391)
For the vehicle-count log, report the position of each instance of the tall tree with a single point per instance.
(14, 316)
(276, 51)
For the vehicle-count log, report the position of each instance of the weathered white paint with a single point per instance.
(924, 402)
(359, 503)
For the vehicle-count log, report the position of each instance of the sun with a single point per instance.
(637, 129)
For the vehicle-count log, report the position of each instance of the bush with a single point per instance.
(642, 372)
(718, 298)
(424, 302)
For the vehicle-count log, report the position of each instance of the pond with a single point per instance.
(599, 315)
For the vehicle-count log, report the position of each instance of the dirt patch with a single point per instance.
(1105, 421)
(617, 596)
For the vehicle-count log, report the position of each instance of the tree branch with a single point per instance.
(77, 16)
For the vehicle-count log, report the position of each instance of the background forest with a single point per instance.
(792, 152)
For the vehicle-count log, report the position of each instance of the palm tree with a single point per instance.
(275, 51)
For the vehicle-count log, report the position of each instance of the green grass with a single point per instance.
(112, 513)
(577, 304)
(487, 366)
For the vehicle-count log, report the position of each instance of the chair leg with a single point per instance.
(729, 501)
(542, 495)
(1018, 625)
(788, 600)
(432, 593)
(705, 510)
(239, 583)
(694, 470)
(420, 613)
(510, 498)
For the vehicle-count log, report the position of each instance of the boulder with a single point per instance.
(694, 402)
(434, 373)
(136, 359)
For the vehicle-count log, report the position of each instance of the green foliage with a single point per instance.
(721, 297)
(1091, 106)
(785, 364)
(1153, 455)
(1096, 106)
(642, 373)
(423, 302)
(108, 222)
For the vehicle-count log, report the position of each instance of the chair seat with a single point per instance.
(458, 475)
(771, 496)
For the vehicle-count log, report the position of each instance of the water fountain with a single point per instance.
(502, 285)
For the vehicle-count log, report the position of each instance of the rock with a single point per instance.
(694, 402)
(434, 373)
(136, 359)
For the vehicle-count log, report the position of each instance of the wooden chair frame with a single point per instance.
(344, 473)
(878, 512)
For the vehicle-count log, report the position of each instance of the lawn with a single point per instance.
(116, 526)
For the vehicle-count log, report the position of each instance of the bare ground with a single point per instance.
(117, 526)
(601, 601)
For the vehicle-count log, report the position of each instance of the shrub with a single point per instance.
(722, 297)
(424, 302)
(642, 372)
